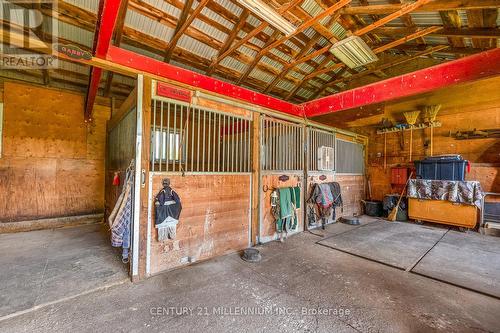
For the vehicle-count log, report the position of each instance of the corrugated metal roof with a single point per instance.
(196, 47)
(436, 40)
(73, 67)
(311, 7)
(245, 50)
(272, 63)
(142, 51)
(148, 26)
(304, 93)
(261, 75)
(165, 7)
(281, 55)
(325, 77)
(426, 18)
(296, 75)
(209, 30)
(74, 34)
(233, 64)
(89, 5)
(305, 67)
(233, 8)
(338, 30)
(217, 18)
(285, 84)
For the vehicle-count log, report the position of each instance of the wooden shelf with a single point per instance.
(416, 127)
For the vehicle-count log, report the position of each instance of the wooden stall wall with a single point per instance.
(464, 108)
(215, 219)
(269, 183)
(352, 188)
(52, 162)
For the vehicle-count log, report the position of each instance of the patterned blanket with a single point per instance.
(466, 192)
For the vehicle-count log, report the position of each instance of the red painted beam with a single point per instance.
(106, 21)
(152, 66)
(478, 66)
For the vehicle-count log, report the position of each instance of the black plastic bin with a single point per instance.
(373, 208)
(441, 168)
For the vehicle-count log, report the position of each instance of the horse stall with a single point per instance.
(204, 149)
(282, 166)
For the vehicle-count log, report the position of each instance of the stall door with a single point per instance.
(282, 166)
(320, 169)
(124, 139)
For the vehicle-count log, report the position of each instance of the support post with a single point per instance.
(256, 143)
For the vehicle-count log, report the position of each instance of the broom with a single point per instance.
(411, 119)
(431, 112)
(394, 212)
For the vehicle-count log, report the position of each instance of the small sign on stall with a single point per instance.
(168, 91)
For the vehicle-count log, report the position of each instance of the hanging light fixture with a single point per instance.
(268, 14)
(353, 51)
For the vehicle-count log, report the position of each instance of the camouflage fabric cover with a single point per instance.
(466, 192)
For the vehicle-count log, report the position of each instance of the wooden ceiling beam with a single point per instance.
(405, 9)
(418, 34)
(468, 69)
(385, 47)
(256, 31)
(301, 58)
(447, 32)
(483, 18)
(432, 6)
(330, 11)
(451, 19)
(394, 63)
(257, 58)
(230, 39)
(184, 22)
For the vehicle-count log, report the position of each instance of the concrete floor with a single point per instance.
(40, 267)
(353, 294)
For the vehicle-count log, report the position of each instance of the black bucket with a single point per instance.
(373, 208)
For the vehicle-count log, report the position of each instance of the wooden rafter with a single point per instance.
(486, 33)
(388, 46)
(183, 23)
(404, 10)
(331, 10)
(257, 58)
(394, 63)
(230, 39)
(418, 34)
(254, 32)
(310, 44)
(432, 6)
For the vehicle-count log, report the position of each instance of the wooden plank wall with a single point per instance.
(466, 107)
(52, 163)
(271, 182)
(215, 219)
(352, 188)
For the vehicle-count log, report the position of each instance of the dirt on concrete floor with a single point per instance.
(299, 286)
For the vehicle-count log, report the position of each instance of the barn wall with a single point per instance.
(215, 219)
(52, 162)
(467, 107)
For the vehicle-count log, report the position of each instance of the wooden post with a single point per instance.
(255, 178)
(385, 150)
(145, 164)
